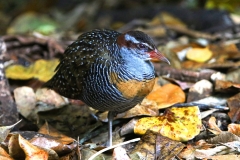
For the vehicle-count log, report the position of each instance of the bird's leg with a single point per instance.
(110, 120)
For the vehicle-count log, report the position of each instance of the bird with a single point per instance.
(107, 70)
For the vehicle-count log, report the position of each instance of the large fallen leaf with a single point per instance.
(181, 124)
(199, 54)
(41, 69)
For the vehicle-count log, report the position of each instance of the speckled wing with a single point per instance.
(77, 61)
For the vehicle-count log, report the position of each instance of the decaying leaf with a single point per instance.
(207, 153)
(234, 128)
(4, 155)
(49, 130)
(31, 151)
(213, 126)
(61, 120)
(26, 101)
(35, 142)
(120, 153)
(233, 104)
(224, 157)
(187, 152)
(30, 103)
(14, 148)
(227, 86)
(200, 90)
(179, 124)
(224, 137)
(50, 97)
(4, 130)
(155, 146)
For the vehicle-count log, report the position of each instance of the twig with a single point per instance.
(111, 147)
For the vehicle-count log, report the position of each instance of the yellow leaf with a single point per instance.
(199, 54)
(41, 69)
(181, 124)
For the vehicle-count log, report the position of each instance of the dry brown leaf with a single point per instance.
(223, 137)
(26, 101)
(187, 152)
(14, 148)
(227, 86)
(233, 104)
(138, 110)
(224, 157)
(181, 124)
(57, 146)
(4, 155)
(200, 90)
(70, 115)
(4, 130)
(120, 153)
(213, 126)
(50, 97)
(234, 128)
(31, 151)
(49, 130)
(155, 146)
(224, 52)
(206, 153)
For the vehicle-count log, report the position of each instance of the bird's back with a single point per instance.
(77, 59)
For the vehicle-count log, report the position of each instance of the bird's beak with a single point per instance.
(157, 56)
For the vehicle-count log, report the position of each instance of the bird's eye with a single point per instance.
(142, 47)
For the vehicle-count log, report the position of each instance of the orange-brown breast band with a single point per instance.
(132, 88)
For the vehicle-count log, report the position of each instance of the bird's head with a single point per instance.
(141, 45)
